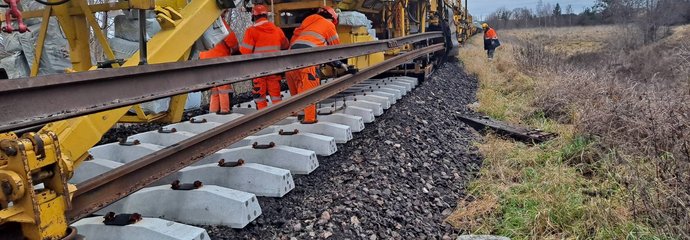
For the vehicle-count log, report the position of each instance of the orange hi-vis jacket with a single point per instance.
(263, 37)
(220, 100)
(315, 31)
(490, 34)
(226, 47)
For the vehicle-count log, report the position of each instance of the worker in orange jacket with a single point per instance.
(221, 95)
(264, 37)
(317, 30)
(490, 40)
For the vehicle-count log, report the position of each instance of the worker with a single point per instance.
(490, 40)
(264, 37)
(221, 96)
(317, 30)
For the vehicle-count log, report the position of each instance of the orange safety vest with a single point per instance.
(263, 37)
(490, 34)
(315, 31)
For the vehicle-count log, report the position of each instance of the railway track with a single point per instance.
(261, 165)
(221, 162)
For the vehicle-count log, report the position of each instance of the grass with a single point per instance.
(553, 190)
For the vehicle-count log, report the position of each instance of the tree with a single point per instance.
(557, 10)
(569, 12)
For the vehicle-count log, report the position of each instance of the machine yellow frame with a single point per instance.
(51, 155)
(41, 212)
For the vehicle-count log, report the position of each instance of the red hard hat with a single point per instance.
(259, 10)
(331, 12)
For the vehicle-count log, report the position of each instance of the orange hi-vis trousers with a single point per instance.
(300, 81)
(220, 99)
(268, 85)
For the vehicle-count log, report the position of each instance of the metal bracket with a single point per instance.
(194, 120)
(123, 219)
(222, 163)
(256, 145)
(124, 142)
(176, 185)
(163, 130)
(286, 133)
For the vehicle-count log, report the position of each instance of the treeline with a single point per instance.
(653, 13)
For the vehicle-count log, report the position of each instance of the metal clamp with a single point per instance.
(194, 120)
(176, 185)
(124, 142)
(222, 163)
(163, 130)
(286, 133)
(123, 219)
(256, 145)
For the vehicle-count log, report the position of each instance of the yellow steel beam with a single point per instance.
(77, 33)
(78, 135)
(102, 40)
(41, 40)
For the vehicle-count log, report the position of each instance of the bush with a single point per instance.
(636, 104)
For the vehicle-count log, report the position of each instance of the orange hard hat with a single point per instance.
(330, 11)
(259, 10)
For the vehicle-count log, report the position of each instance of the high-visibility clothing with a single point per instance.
(220, 96)
(300, 81)
(264, 37)
(315, 31)
(220, 99)
(490, 34)
(226, 47)
(264, 85)
(490, 39)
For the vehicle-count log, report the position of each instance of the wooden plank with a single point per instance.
(517, 133)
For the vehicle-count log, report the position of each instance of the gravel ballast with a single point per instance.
(399, 178)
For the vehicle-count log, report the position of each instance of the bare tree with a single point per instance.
(569, 12)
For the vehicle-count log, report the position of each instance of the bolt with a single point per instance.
(6, 188)
(7, 148)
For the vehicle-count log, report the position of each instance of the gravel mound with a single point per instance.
(399, 178)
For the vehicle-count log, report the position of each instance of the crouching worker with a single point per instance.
(317, 30)
(221, 96)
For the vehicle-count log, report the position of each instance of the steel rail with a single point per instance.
(99, 192)
(32, 101)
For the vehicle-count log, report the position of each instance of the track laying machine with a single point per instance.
(36, 162)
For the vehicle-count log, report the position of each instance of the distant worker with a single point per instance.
(264, 37)
(317, 30)
(490, 40)
(221, 95)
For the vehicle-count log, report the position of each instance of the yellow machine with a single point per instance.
(34, 168)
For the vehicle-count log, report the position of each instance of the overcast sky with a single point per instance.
(482, 8)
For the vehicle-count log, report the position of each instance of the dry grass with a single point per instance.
(618, 168)
(570, 41)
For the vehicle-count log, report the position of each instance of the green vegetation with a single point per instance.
(564, 188)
